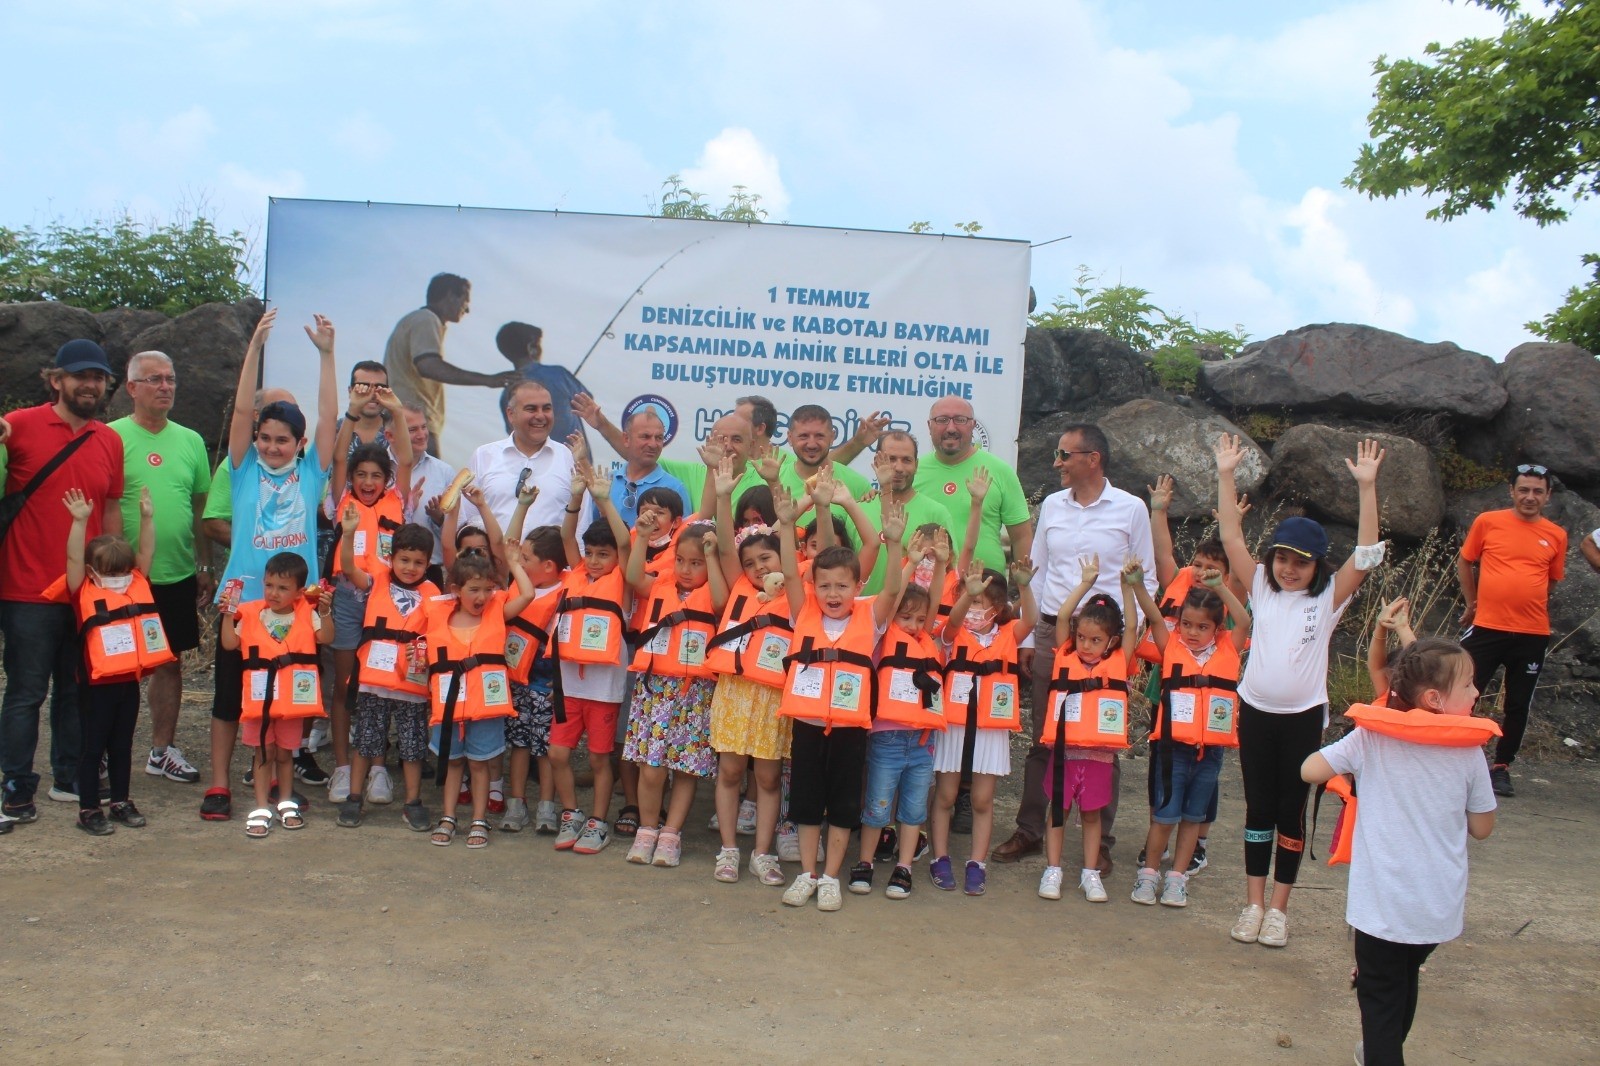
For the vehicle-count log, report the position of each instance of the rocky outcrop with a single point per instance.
(207, 346)
(1079, 370)
(1308, 464)
(30, 333)
(1149, 438)
(1552, 411)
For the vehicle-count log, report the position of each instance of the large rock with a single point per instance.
(1357, 370)
(1308, 465)
(1078, 370)
(207, 346)
(1552, 414)
(119, 327)
(30, 333)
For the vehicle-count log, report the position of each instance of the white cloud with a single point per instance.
(736, 157)
(258, 187)
(1313, 251)
(168, 143)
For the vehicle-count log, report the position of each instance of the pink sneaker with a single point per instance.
(669, 848)
(644, 846)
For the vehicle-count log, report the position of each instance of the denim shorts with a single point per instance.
(898, 769)
(349, 615)
(479, 740)
(1194, 784)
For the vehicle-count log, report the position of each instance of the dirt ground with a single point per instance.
(186, 942)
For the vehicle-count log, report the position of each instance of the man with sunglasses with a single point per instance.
(1506, 565)
(944, 478)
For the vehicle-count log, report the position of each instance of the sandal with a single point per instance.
(289, 815)
(478, 834)
(627, 823)
(217, 805)
(259, 823)
(444, 832)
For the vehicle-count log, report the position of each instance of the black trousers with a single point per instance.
(1386, 991)
(106, 721)
(1522, 654)
(1271, 749)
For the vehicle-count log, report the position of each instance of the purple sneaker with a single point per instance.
(976, 876)
(942, 876)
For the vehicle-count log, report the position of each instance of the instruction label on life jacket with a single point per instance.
(117, 639)
(383, 656)
(961, 689)
(1183, 707)
(807, 682)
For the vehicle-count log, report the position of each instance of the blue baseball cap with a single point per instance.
(1302, 536)
(82, 354)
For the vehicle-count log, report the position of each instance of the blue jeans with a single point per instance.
(897, 768)
(41, 647)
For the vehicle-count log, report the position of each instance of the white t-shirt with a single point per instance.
(1287, 670)
(1408, 861)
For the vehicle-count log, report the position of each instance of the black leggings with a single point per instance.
(1271, 749)
(1386, 991)
(1522, 654)
(107, 718)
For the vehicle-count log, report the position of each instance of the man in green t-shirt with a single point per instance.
(171, 461)
(955, 457)
(896, 467)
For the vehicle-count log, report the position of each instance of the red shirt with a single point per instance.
(1517, 559)
(34, 552)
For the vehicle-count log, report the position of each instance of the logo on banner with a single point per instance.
(660, 405)
(980, 434)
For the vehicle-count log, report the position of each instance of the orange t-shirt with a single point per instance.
(1517, 560)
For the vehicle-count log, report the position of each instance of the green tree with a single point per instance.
(1484, 119)
(124, 262)
(680, 201)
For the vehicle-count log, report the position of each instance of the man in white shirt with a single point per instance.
(497, 467)
(1089, 516)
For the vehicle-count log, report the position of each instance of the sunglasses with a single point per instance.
(1533, 468)
(1063, 455)
(631, 498)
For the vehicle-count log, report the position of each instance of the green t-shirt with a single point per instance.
(1005, 505)
(219, 499)
(693, 476)
(920, 510)
(175, 467)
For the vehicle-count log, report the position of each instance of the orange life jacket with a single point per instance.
(749, 622)
(980, 684)
(829, 680)
(393, 652)
(677, 630)
(909, 676)
(281, 678)
(528, 634)
(1201, 703)
(590, 622)
(468, 681)
(1088, 704)
(1416, 726)
(121, 633)
(948, 595)
(374, 534)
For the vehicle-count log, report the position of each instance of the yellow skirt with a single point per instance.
(744, 719)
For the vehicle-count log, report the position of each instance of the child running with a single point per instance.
(1424, 790)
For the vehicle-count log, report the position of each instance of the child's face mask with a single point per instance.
(112, 583)
(979, 619)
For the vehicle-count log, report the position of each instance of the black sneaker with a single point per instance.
(899, 883)
(350, 811)
(888, 844)
(1198, 861)
(249, 775)
(307, 770)
(961, 819)
(125, 813)
(1500, 780)
(22, 813)
(94, 823)
(861, 878)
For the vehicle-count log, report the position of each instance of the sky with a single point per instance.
(1194, 150)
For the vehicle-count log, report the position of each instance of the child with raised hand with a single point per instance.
(669, 724)
(390, 661)
(535, 679)
(1394, 617)
(1194, 722)
(1089, 685)
(278, 635)
(469, 691)
(1422, 796)
(1297, 597)
(981, 708)
(122, 642)
(828, 692)
(591, 646)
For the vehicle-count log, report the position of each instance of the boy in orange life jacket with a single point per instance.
(1419, 804)
(392, 656)
(108, 576)
(592, 649)
(279, 634)
(828, 690)
(1183, 776)
(528, 734)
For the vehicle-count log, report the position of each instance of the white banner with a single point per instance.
(680, 314)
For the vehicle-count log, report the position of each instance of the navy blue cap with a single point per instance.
(82, 354)
(1301, 536)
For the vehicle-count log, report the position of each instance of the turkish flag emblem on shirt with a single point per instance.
(155, 460)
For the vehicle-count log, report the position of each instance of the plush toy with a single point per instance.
(771, 587)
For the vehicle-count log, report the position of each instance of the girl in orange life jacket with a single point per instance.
(466, 659)
(592, 649)
(393, 669)
(747, 657)
(377, 490)
(110, 574)
(1183, 775)
(982, 627)
(1094, 648)
(669, 722)
(1419, 804)
(828, 690)
(278, 635)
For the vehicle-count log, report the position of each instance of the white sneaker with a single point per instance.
(172, 765)
(1093, 889)
(1247, 927)
(318, 737)
(800, 892)
(62, 795)
(1274, 929)
(1144, 887)
(727, 868)
(339, 785)
(516, 819)
(829, 898)
(788, 842)
(546, 817)
(379, 790)
(1175, 893)
(1050, 883)
(746, 826)
(766, 869)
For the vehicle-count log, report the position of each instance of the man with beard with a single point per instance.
(497, 467)
(41, 641)
(956, 457)
(643, 437)
(896, 466)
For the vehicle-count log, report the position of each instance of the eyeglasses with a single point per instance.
(155, 379)
(1533, 468)
(952, 420)
(1063, 455)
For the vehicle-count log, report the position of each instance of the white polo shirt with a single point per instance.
(1116, 527)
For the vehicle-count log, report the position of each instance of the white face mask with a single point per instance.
(114, 583)
(923, 575)
(979, 621)
(279, 471)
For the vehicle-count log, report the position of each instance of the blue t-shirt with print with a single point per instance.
(273, 513)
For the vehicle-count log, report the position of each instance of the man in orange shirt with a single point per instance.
(1507, 563)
